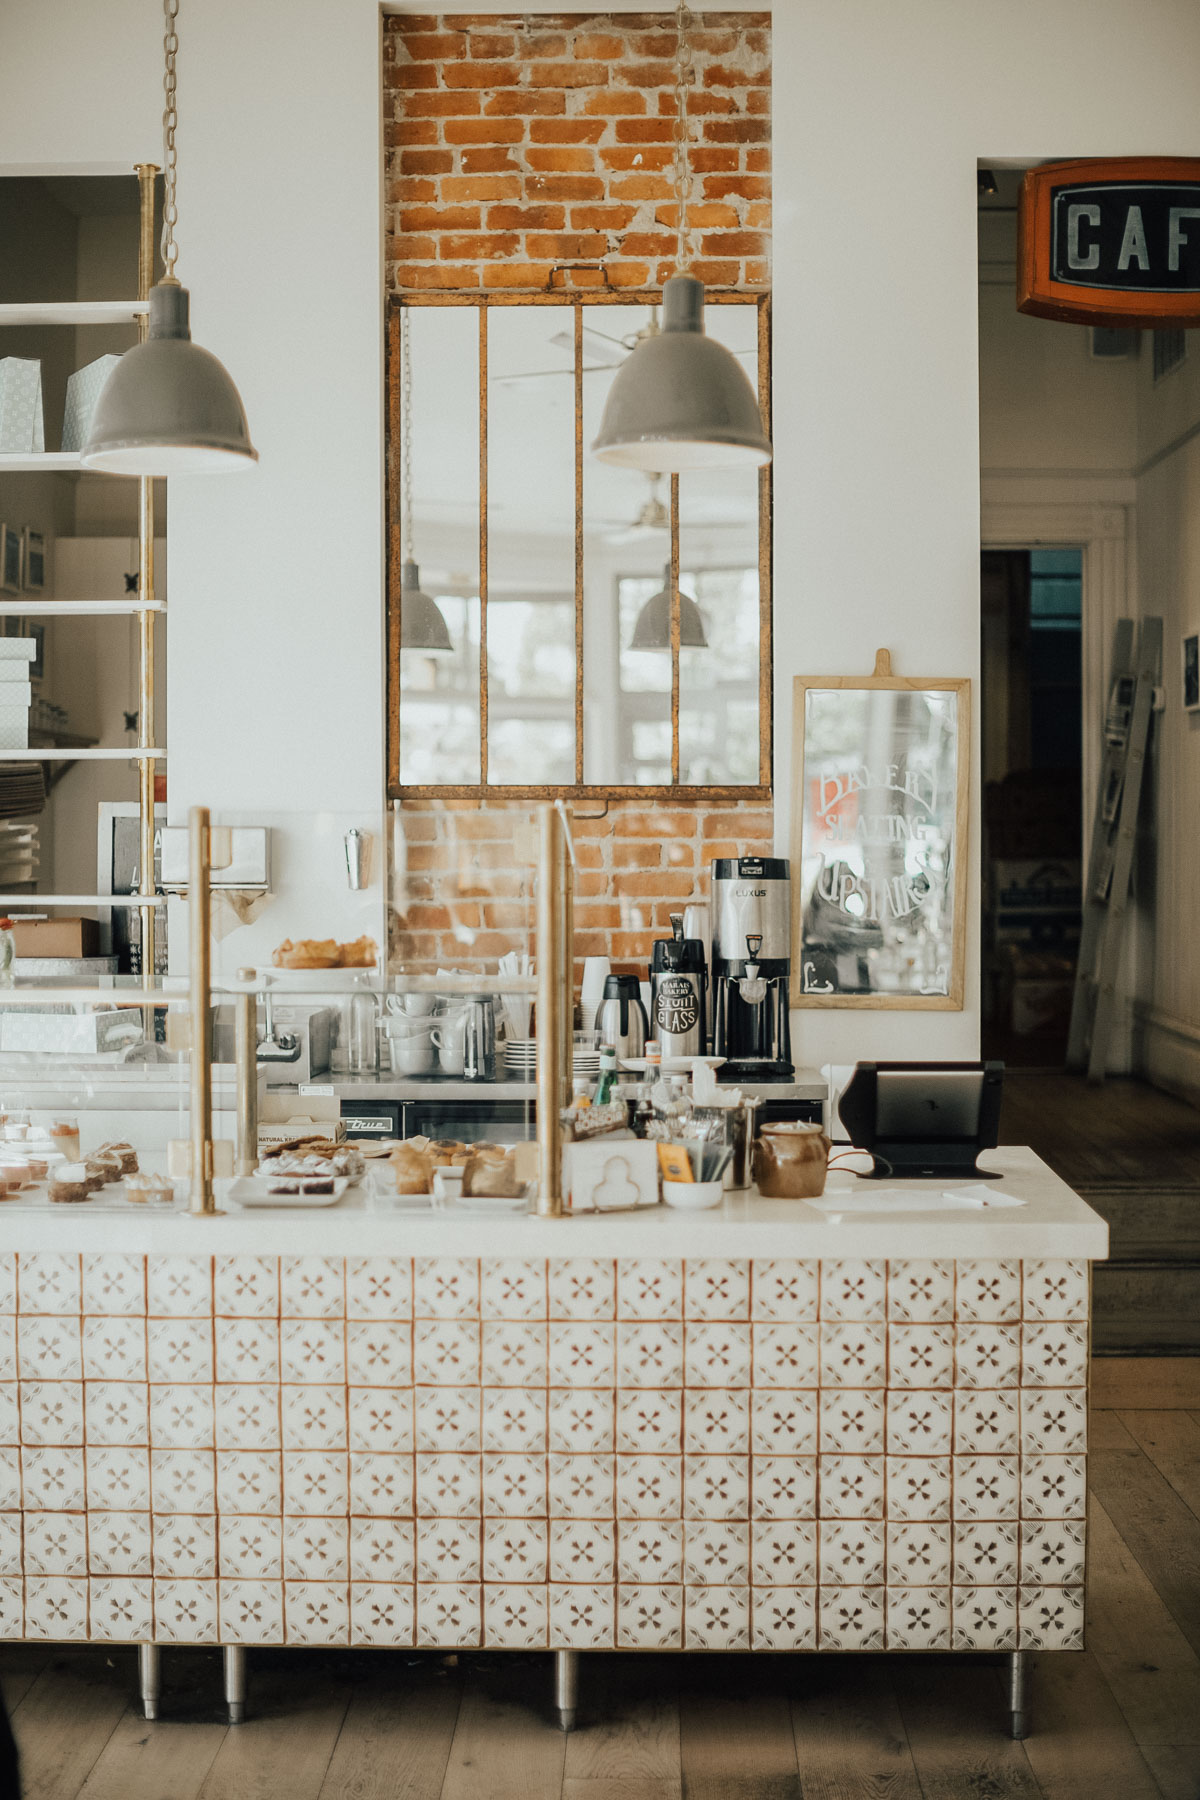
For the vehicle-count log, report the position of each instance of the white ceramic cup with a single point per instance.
(413, 1055)
(399, 1025)
(419, 1006)
(448, 1036)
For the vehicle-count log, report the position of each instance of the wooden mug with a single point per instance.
(790, 1160)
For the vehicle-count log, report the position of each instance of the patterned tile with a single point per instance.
(920, 1291)
(853, 1355)
(920, 1356)
(984, 1618)
(48, 1281)
(716, 1618)
(119, 1479)
(987, 1290)
(852, 1553)
(381, 1486)
(10, 1543)
(382, 1551)
(120, 1610)
(185, 1546)
(8, 1347)
(649, 1355)
(785, 1290)
(852, 1421)
(315, 1481)
(182, 1417)
(446, 1352)
(117, 1412)
(448, 1550)
(783, 1553)
(250, 1612)
(716, 1553)
(185, 1612)
(515, 1551)
(8, 1281)
(383, 1616)
(246, 1287)
(850, 1618)
(582, 1354)
(918, 1618)
(51, 1412)
(1054, 1421)
(918, 1555)
(581, 1287)
(1053, 1487)
(378, 1287)
(785, 1356)
(783, 1422)
(514, 1419)
(918, 1488)
(783, 1618)
(56, 1606)
(379, 1354)
(648, 1487)
(920, 1423)
(50, 1349)
(312, 1287)
(249, 1481)
(851, 1487)
(114, 1283)
(717, 1355)
(987, 1422)
(581, 1419)
(250, 1548)
(445, 1287)
(985, 1555)
(647, 1289)
(853, 1290)
(512, 1289)
(316, 1549)
(55, 1543)
(986, 1487)
(118, 1543)
(1054, 1355)
(1056, 1290)
(247, 1417)
(1050, 1618)
(447, 1418)
(715, 1289)
(448, 1615)
(515, 1617)
(581, 1616)
(175, 1350)
(52, 1478)
(783, 1487)
(513, 1354)
(987, 1356)
(448, 1486)
(515, 1485)
(649, 1421)
(716, 1487)
(650, 1551)
(649, 1617)
(312, 1350)
(12, 1609)
(1052, 1554)
(247, 1350)
(380, 1418)
(179, 1287)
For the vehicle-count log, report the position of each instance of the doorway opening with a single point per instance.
(1031, 733)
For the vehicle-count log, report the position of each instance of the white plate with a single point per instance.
(490, 1203)
(254, 1190)
(674, 1065)
(316, 981)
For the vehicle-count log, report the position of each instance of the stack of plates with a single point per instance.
(520, 1060)
(586, 1062)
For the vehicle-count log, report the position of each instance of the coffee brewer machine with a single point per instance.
(677, 982)
(751, 963)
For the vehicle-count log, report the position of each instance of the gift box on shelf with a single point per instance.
(22, 428)
(83, 391)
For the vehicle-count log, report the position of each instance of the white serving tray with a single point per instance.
(255, 1190)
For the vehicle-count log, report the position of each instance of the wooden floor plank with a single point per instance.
(850, 1738)
(1106, 1432)
(20, 1666)
(1151, 1669)
(1146, 1381)
(166, 1761)
(395, 1739)
(506, 1744)
(1176, 1769)
(294, 1713)
(1157, 1528)
(735, 1729)
(1080, 1747)
(67, 1717)
(1171, 1439)
(627, 1743)
(955, 1715)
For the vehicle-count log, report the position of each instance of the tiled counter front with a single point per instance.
(575, 1453)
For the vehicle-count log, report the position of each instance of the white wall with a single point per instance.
(881, 113)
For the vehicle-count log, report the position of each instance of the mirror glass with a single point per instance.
(878, 806)
(622, 528)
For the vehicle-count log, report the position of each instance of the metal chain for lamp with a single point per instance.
(685, 75)
(170, 121)
(406, 501)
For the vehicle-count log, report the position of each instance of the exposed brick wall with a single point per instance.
(518, 145)
(470, 868)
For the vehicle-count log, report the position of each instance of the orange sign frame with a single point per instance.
(1041, 293)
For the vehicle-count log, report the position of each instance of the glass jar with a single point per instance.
(64, 1135)
(361, 1049)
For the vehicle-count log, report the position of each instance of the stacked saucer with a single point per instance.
(520, 1058)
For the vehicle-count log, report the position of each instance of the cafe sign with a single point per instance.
(1113, 241)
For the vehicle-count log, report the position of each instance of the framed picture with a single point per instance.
(10, 560)
(880, 776)
(33, 570)
(1191, 672)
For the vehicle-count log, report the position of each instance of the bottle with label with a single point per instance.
(8, 951)
(607, 1081)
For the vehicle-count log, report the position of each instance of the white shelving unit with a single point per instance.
(143, 606)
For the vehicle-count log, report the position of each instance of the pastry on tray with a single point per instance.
(125, 1154)
(412, 1169)
(326, 953)
(71, 1183)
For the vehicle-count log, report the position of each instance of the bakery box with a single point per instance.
(56, 937)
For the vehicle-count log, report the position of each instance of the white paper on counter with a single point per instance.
(908, 1200)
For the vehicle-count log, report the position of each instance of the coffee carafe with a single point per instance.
(678, 977)
(751, 963)
(622, 1017)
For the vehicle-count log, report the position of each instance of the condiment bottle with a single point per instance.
(607, 1081)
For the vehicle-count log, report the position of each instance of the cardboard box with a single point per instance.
(68, 1033)
(22, 428)
(56, 937)
(83, 391)
(283, 1117)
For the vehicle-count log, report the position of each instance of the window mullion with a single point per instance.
(674, 631)
(483, 546)
(578, 544)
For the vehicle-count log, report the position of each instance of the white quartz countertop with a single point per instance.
(1054, 1221)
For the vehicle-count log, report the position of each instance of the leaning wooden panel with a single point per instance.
(880, 792)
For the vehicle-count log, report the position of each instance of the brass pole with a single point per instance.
(246, 1033)
(565, 938)
(200, 987)
(146, 174)
(549, 1000)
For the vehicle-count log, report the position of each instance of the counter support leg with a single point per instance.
(235, 1683)
(148, 1679)
(1018, 1704)
(566, 1686)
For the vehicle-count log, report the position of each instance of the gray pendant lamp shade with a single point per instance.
(680, 400)
(168, 407)
(653, 628)
(422, 626)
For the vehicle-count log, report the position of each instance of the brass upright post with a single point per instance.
(246, 1034)
(565, 938)
(549, 1021)
(200, 988)
(146, 174)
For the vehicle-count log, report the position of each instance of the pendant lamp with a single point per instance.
(652, 630)
(422, 625)
(169, 407)
(680, 400)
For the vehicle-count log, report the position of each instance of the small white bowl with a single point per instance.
(693, 1196)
